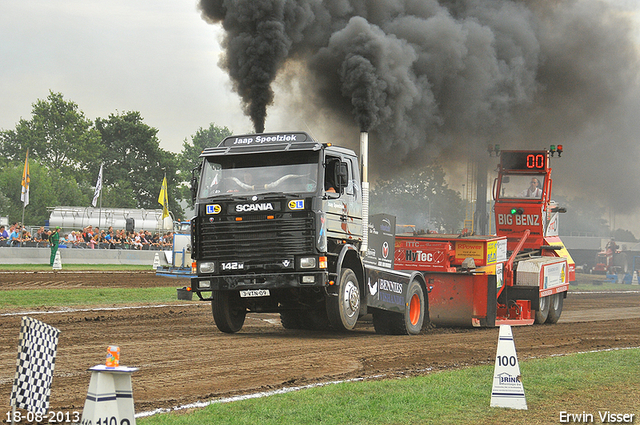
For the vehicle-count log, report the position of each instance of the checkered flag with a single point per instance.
(34, 370)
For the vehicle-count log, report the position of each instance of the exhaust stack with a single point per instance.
(364, 160)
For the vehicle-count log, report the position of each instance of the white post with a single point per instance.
(507, 390)
(110, 396)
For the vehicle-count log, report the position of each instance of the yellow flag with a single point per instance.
(26, 179)
(163, 199)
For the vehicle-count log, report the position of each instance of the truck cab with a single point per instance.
(273, 208)
(278, 228)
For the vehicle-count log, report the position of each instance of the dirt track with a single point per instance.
(183, 358)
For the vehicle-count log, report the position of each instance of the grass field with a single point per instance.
(72, 267)
(34, 298)
(592, 383)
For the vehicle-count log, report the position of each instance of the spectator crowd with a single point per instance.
(93, 238)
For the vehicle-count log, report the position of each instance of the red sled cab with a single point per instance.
(519, 276)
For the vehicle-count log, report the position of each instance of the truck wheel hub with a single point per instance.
(352, 298)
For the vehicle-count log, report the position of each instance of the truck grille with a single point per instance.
(256, 238)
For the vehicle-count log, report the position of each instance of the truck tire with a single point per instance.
(555, 307)
(543, 312)
(228, 311)
(314, 320)
(291, 319)
(343, 309)
(415, 309)
(382, 321)
(408, 323)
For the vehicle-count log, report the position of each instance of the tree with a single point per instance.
(583, 218)
(58, 135)
(421, 198)
(134, 163)
(204, 138)
(189, 157)
(48, 188)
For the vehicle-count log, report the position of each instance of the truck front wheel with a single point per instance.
(343, 309)
(228, 311)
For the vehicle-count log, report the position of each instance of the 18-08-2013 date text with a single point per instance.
(53, 417)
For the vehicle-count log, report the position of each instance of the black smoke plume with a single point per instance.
(444, 78)
(256, 46)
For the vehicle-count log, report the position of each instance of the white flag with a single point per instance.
(98, 188)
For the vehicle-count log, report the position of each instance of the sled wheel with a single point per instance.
(555, 307)
(543, 312)
(228, 311)
(343, 310)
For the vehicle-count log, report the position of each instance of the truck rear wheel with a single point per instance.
(415, 309)
(409, 323)
(543, 312)
(228, 311)
(343, 310)
(555, 307)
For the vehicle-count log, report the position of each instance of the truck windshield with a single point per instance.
(289, 172)
(522, 186)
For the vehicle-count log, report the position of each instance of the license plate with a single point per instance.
(250, 293)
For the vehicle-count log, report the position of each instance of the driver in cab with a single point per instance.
(533, 191)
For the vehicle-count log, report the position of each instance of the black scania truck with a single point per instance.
(278, 228)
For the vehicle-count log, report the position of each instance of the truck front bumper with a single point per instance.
(260, 281)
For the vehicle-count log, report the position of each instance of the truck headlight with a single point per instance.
(308, 262)
(204, 284)
(207, 267)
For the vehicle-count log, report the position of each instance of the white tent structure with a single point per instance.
(119, 218)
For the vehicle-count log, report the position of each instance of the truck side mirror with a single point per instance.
(194, 188)
(342, 175)
(194, 184)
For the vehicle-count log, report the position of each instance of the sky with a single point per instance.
(161, 58)
(158, 57)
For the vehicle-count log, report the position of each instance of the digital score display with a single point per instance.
(524, 160)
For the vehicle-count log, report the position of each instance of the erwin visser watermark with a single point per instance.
(603, 417)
